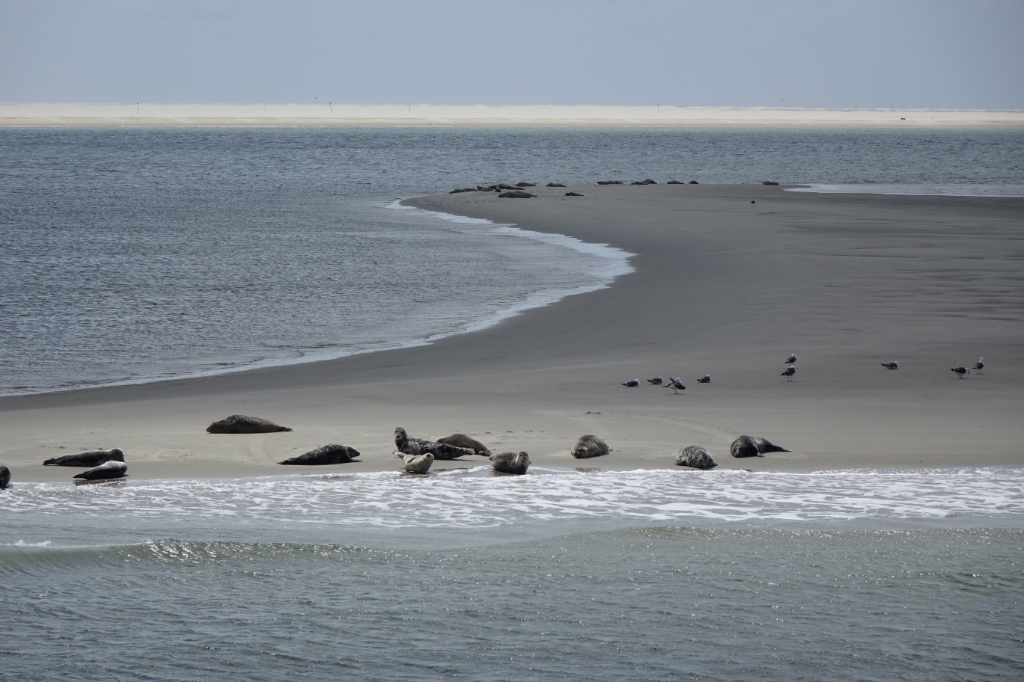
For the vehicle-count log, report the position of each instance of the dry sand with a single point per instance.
(722, 286)
(333, 114)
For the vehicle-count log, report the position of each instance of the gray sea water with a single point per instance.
(128, 255)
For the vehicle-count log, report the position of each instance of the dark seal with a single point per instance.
(511, 463)
(106, 470)
(420, 446)
(327, 454)
(86, 459)
(460, 440)
(751, 446)
(589, 446)
(239, 423)
(695, 456)
(5, 476)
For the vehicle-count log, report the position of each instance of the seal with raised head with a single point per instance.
(417, 464)
(5, 476)
(589, 446)
(460, 440)
(420, 446)
(87, 459)
(326, 454)
(752, 446)
(511, 463)
(695, 456)
(239, 423)
(110, 469)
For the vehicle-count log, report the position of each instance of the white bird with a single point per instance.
(706, 379)
(656, 381)
(632, 383)
(891, 365)
(979, 365)
(790, 360)
(790, 371)
(960, 371)
(676, 385)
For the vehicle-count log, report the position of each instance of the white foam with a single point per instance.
(910, 189)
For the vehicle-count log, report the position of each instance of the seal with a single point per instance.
(110, 469)
(418, 464)
(327, 454)
(695, 456)
(5, 476)
(511, 463)
(419, 446)
(239, 423)
(86, 459)
(589, 446)
(460, 440)
(751, 446)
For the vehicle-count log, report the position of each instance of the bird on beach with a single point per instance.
(979, 365)
(632, 383)
(706, 379)
(676, 385)
(891, 365)
(790, 371)
(790, 360)
(960, 371)
(656, 381)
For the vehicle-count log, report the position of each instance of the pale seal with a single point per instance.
(418, 464)
(86, 459)
(239, 423)
(111, 469)
(751, 446)
(460, 440)
(589, 446)
(327, 454)
(5, 476)
(419, 446)
(511, 463)
(695, 456)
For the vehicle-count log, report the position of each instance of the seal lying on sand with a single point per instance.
(695, 456)
(86, 459)
(589, 446)
(5, 476)
(111, 469)
(419, 446)
(418, 464)
(751, 446)
(511, 463)
(327, 454)
(462, 441)
(239, 423)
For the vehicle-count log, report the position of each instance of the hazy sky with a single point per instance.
(908, 54)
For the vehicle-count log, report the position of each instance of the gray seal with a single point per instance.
(109, 469)
(589, 446)
(420, 446)
(511, 463)
(327, 454)
(752, 446)
(239, 423)
(695, 456)
(5, 476)
(417, 464)
(87, 459)
(460, 440)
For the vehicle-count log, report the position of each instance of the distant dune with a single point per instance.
(330, 114)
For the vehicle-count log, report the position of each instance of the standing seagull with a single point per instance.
(891, 365)
(979, 365)
(790, 360)
(790, 371)
(632, 383)
(960, 371)
(656, 381)
(676, 385)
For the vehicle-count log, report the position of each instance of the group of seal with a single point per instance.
(697, 456)
(103, 464)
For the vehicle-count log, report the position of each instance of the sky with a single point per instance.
(871, 54)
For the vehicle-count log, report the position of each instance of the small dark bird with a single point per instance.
(979, 365)
(790, 371)
(891, 365)
(656, 381)
(790, 360)
(633, 383)
(706, 379)
(960, 371)
(676, 385)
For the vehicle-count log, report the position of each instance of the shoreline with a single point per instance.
(710, 268)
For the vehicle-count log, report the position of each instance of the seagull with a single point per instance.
(790, 360)
(656, 381)
(960, 371)
(633, 383)
(706, 379)
(790, 371)
(891, 365)
(676, 385)
(979, 365)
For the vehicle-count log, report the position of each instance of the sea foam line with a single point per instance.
(912, 189)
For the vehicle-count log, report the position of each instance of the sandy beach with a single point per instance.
(722, 286)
